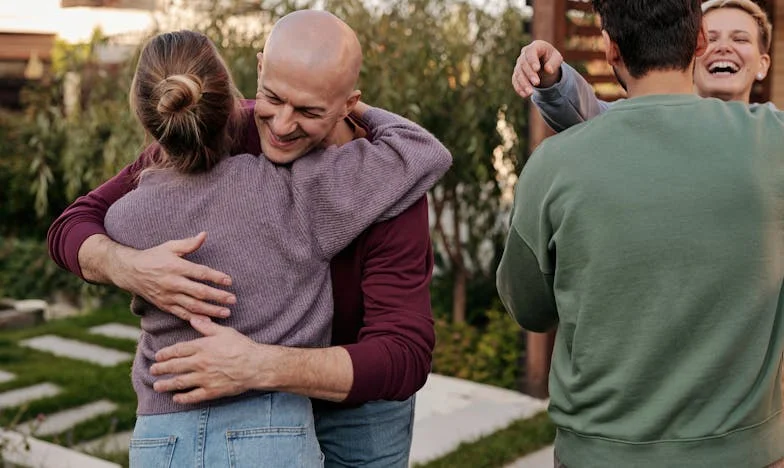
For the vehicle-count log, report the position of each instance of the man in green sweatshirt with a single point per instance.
(652, 236)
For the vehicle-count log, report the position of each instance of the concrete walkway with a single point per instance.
(450, 411)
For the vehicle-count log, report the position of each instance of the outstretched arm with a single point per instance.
(563, 96)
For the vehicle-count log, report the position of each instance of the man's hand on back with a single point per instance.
(159, 274)
(225, 363)
(218, 365)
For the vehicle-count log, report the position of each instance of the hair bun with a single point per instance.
(179, 93)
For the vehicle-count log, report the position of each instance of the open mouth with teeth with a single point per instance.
(723, 68)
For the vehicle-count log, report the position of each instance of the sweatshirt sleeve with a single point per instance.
(394, 349)
(343, 190)
(526, 271)
(568, 102)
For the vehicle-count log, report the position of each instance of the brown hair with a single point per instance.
(183, 95)
(753, 10)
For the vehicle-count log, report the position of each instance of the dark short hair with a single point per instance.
(652, 34)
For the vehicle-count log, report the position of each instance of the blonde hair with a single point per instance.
(183, 95)
(754, 10)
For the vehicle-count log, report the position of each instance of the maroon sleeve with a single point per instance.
(393, 353)
(84, 217)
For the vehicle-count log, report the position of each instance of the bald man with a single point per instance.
(383, 329)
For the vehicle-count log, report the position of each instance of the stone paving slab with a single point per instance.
(112, 443)
(77, 350)
(450, 411)
(541, 459)
(117, 330)
(20, 450)
(24, 395)
(64, 420)
(6, 376)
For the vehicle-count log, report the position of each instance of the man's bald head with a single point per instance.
(307, 84)
(319, 43)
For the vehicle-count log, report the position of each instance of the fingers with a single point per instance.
(198, 307)
(197, 395)
(172, 290)
(207, 327)
(360, 108)
(185, 246)
(203, 273)
(177, 383)
(538, 65)
(176, 311)
(176, 352)
(553, 62)
(525, 77)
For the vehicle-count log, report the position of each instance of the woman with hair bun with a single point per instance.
(273, 229)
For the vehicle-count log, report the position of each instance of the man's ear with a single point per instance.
(611, 51)
(260, 59)
(351, 102)
(702, 42)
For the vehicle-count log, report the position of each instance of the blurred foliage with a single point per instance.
(490, 354)
(51, 153)
(26, 272)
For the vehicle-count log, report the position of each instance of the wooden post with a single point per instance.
(549, 24)
(776, 73)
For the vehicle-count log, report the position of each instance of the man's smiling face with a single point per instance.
(295, 110)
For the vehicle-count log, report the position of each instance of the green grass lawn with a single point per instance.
(83, 383)
(80, 382)
(501, 448)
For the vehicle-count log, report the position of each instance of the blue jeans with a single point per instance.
(273, 431)
(377, 434)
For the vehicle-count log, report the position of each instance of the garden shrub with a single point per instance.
(27, 272)
(491, 354)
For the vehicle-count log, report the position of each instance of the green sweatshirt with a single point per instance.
(653, 236)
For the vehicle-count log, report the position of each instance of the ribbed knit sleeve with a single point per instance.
(344, 190)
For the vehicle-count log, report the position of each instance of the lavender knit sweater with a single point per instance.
(274, 230)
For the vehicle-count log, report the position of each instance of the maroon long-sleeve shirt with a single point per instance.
(380, 283)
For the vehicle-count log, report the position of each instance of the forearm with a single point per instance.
(323, 373)
(569, 101)
(98, 256)
(347, 189)
(392, 366)
(392, 353)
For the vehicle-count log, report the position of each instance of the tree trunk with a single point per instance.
(459, 294)
(459, 273)
(453, 246)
